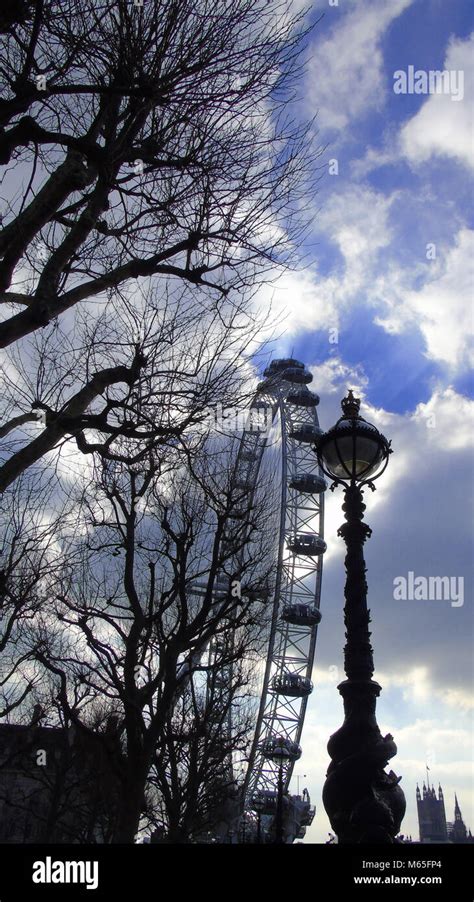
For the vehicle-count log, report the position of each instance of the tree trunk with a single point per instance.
(130, 808)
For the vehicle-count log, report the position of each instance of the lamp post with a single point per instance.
(298, 778)
(279, 834)
(363, 803)
(280, 750)
(258, 806)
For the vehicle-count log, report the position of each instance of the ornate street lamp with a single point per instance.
(258, 806)
(282, 751)
(363, 802)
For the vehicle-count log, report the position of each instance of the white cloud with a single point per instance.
(418, 687)
(443, 126)
(449, 417)
(300, 301)
(333, 373)
(416, 684)
(356, 221)
(374, 157)
(441, 308)
(346, 78)
(433, 297)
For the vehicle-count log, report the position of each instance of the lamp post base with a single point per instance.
(364, 804)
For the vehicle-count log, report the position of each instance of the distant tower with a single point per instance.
(431, 815)
(458, 832)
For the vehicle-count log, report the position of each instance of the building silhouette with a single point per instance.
(457, 831)
(431, 815)
(432, 818)
(55, 785)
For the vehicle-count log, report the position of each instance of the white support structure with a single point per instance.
(291, 645)
(285, 406)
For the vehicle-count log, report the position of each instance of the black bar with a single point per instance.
(302, 871)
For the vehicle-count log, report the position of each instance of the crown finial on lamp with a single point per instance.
(350, 405)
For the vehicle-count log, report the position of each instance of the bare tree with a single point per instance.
(29, 522)
(139, 142)
(149, 372)
(203, 736)
(135, 617)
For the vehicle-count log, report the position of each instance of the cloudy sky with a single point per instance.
(384, 305)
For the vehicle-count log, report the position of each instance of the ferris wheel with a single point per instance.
(292, 614)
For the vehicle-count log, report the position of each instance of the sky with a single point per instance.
(383, 304)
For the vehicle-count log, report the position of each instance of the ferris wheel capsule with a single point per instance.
(307, 544)
(306, 432)
(292, 685)
(301, 614)
(297, 375)
(309, 483)
(279, 748)
(278, 367)
(303, 398)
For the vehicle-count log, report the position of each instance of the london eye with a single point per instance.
(292, 613)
